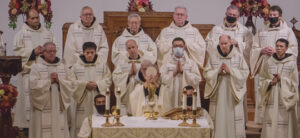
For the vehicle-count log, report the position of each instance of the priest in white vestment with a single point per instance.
(150, 93)
(135, 32)
(87, 29)
(50, 93)
(278, 86)
(124, 75)
(179, 71)
(240, 35)
(91, 76)
(263, 47)
(86, 127)
(181, 27)
(28, 44)
(226, 74)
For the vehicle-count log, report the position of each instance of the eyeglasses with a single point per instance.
(87, 14)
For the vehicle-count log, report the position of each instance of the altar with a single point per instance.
(139, 127)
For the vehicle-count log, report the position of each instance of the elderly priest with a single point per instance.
(50, 94)
(226, 74)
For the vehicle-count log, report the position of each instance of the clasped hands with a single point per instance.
(54, 77)
(224, 69)
(178, 68)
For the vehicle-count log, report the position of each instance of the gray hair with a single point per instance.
(181, 7)
(48, 44)
(233, 7)
(223, 35)
(86, 7)
(134, 15)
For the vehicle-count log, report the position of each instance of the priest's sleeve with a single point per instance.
(39, 88)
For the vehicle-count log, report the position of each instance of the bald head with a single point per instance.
(225, 44)
(132, 48)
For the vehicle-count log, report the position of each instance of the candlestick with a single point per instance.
(184, 98)
(107, 99)
(117, 117)
(195, 124)
(107, 123)
(184, 117)
(118, 98)
(194, 100)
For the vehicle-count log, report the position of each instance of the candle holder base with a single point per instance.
(118, 123)
(152, 116)
(194, 124)
(107, 123)
(184, 123)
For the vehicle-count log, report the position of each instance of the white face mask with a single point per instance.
(177, 51)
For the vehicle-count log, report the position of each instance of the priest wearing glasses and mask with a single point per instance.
(179, 71)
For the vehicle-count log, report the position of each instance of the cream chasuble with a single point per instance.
(280, 100)
(49, 101)
(190, 76)
(126, 84)
(81, 73)
(226, 93)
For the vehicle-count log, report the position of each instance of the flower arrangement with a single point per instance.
(140, 6)
(249, 8)
(8, 97)
(21, 7)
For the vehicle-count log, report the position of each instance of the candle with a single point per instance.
(194, 100)
(118, 98)
(107, 99)
(184, 98)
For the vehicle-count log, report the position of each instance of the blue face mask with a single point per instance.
(177, 51)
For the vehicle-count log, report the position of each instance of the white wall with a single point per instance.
(200, 12)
